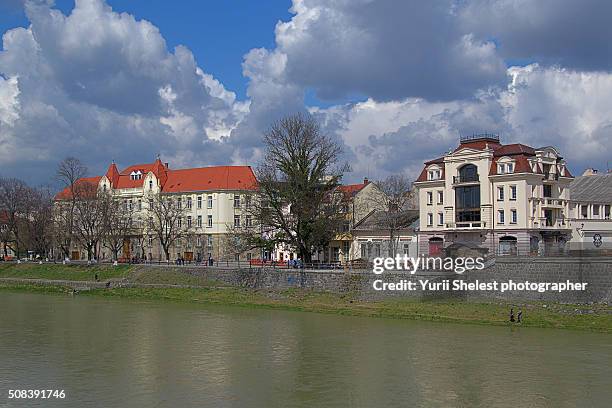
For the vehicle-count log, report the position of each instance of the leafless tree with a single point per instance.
(119, 223)
(16, 205)
(296, 204)
(392, 204)
(88, 219)
(40, 222)
(165, 221)
(69, 171)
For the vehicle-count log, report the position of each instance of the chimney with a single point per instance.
(365, 180)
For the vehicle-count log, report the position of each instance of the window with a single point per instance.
(139, 207)
(189, 221)
(150, 222)
(514, 217)
(180, 222)
(236, 201)
(209, 201)
(512, 192)
(607, 212)
(596, 209)
(150, 203)
(440, 197)
(500, 217)
(547, 191)
(429, 219)
(433, 174)
(248, 200)
(500, 193)
(236, 220)
(501, 168)
(429, 198)
(199, 221)
(584, 211)
(199, 241)
(440, 218)
(189, 203)
(209, 221)
(510, 167)
(199, 202)
(150, 241)
(209, 241)
(179, 203)
(249, 220)
(150, 184)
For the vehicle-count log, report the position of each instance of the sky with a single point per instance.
(395, 82)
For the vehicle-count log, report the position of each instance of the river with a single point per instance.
(127, 353)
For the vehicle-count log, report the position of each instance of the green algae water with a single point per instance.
(126, 353)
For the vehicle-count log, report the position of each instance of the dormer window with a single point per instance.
(433, 174)
(136, 175)
(505, 168)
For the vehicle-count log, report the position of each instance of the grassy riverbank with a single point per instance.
(579, 317)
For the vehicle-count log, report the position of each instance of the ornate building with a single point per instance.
(499, 199)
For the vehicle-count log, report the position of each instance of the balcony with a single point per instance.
(466, 225)
(465, 180)
(553, 202)
(549, 223)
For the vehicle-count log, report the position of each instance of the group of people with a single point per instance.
(519, 316)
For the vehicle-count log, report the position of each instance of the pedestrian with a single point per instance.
(519, 316)
(96, 277)
(511, 315)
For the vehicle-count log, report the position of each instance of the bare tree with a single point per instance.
(88, 220)
(296, 204)
(165, 221)
(119, 223)
(16, 205)
(69, 171)
(40, 222)
(392, 204)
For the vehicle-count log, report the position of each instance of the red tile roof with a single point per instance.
(65, 194)
(210, 178)
(513, 149)
(181, 180)
(352, 189)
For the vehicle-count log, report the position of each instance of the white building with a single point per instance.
(214, 198)
(591, 200)
(498, 199)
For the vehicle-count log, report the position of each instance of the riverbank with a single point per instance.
(157, 284)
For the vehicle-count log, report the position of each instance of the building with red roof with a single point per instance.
(495, 198)
(213, 199)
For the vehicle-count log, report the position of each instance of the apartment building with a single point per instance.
(214, 200)
(495, 198)
(590, 207)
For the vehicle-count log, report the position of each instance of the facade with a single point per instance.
(357, 202)
(497, 199)
(370, 240)
(590, 207)
(214, 199)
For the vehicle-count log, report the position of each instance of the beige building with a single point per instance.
(590, 207)
(498, 199)
(213, 198)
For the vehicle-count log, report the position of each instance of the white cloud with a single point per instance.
(102, 85)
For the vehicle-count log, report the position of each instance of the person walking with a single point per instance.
(512, 315)
(519, 316)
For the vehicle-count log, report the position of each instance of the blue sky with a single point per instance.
(236, 26)
(396, 83)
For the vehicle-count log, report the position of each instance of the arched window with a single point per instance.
(468, 173)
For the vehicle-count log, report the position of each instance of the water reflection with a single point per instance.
(125, 353)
